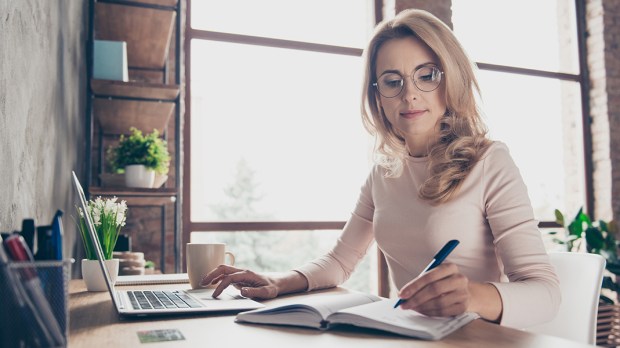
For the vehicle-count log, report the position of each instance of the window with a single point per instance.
(531, 81)
(276, 145)
(278, 152)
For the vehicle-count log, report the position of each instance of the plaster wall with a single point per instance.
(42, 103)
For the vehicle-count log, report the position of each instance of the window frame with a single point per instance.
(583, 79)
(190, 226)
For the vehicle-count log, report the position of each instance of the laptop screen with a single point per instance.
(93, 236)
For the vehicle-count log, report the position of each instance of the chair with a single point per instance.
(581, 276)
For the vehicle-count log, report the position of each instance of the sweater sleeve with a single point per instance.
(532, 295)
(335, 267)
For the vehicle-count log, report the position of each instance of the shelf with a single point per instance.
(117, 181)
(167, 3)
(152, 30)
(138, 197)
(116, 116)
(147, 32)
(134, 89)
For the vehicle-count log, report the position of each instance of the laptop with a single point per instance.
(149, 302)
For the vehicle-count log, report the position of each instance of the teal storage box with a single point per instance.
(110, 60)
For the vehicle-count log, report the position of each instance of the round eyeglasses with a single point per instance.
(425, 78)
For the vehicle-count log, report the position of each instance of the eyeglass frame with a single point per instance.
(402, 86)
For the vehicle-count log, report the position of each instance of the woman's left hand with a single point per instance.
(441, 292)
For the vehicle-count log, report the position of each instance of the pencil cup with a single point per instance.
(34, 304)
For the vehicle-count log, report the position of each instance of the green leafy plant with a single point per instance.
(600, 237)
(149, 150)
(108, 217)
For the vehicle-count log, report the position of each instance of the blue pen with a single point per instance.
(436, 261)
(57, 236)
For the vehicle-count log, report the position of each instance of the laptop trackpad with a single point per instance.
(206, 294)
(230, 299)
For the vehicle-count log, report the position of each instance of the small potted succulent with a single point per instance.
(141, 157)
(108, 217)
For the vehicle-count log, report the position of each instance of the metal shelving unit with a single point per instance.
(146, 102)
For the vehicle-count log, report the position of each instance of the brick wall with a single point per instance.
(603, 19)
(440, 8)
(611, 23)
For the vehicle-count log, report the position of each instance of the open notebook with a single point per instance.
(325, 312)
(149, 302)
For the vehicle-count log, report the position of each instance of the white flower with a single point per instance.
(101, 209)
(110, 206)
(120, 210)
(107, 216)
(98, 204)
(96, 214)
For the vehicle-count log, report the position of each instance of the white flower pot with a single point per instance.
(137, 175)
(93, 276)
(160, 180)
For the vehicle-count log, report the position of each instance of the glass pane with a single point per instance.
(276, 134)
(540, 121)
(278, 251)
(527, 33)
(342, 23)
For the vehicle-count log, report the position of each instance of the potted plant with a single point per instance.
(108, 217)
(600, 237)
(140, 157)
(149, 267)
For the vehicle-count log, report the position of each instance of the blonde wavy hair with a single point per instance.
(462, 134)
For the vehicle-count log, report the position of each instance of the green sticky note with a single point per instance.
(151, 336)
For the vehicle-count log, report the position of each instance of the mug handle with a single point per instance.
(231, 258)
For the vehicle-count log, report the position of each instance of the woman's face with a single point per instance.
(412, 113)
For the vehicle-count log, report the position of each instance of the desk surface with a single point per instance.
(94, 323)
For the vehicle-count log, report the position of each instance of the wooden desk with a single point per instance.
(94, 323)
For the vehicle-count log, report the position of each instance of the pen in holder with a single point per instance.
(34, 304)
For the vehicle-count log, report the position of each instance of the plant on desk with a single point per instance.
(600, 237)
(140, 157)
(149, 267)
(108, 217)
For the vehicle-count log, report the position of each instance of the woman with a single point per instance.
(438, 177)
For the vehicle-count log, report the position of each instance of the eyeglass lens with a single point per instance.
(425, 78)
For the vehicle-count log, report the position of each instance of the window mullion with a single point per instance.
(232, 226)
(271, 42)
(529, 72)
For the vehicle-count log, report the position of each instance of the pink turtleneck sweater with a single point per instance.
(491, 217)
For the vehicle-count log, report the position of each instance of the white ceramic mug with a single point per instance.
(202, 258)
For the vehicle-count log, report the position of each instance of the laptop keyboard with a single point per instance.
(145, 299)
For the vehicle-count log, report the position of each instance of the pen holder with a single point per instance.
(34, 304)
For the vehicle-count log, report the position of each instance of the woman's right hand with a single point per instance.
(251, 285)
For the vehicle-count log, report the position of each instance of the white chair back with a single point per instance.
(581, 276)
